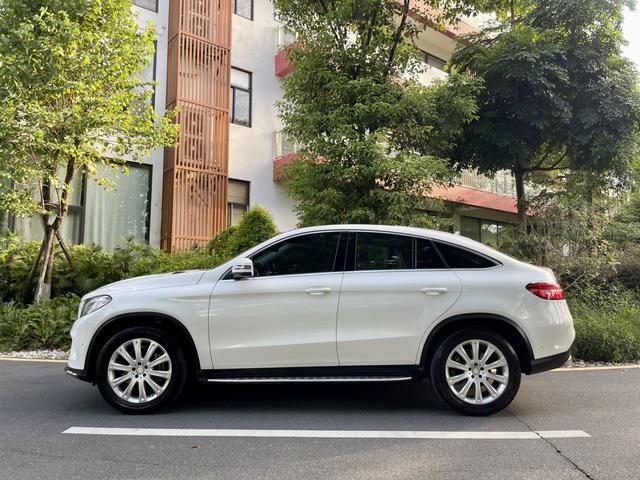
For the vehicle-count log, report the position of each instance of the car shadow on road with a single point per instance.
(312, 397)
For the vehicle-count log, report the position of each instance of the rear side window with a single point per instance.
(380, 251)
(461, 258)
(426, 255)
(314, 253)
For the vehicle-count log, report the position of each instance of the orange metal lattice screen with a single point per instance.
(194, 200)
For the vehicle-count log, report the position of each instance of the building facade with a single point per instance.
(220, 62)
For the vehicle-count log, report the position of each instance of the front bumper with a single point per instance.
(544, 364)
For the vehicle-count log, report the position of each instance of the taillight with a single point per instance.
(546, 290)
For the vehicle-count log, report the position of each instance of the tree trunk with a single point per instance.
(66, 251)
(27, 290)
(521, 201)
(43, 290)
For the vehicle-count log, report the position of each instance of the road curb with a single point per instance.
(44, 360)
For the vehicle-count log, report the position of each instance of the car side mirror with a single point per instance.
(242, 268)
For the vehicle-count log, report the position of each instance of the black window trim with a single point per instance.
(235, 10)
(350, 250)
(233, 99)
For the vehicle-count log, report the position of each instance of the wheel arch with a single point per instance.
(511, 331)
(137, 319)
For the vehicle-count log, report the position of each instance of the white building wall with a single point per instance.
(160, 20)
(252, 149)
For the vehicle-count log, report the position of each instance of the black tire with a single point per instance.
(438, 370)
(174, 385)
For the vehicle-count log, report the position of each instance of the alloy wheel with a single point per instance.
(139, 370)
(477, 372)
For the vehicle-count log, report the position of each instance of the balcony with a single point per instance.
(285, 152)
(285, 39)
(502, 183)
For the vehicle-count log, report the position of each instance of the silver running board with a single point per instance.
(307, 379)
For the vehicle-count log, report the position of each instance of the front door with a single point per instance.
(397, 287)
(285, 316)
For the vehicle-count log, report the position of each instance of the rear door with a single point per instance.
(397, 287)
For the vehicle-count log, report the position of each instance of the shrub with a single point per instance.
(16, 258)
(256, 227)
(162, 262)
(567, 235)
(607, 328)
(42, 325)
(628, 267)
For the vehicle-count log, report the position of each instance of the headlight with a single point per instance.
(94, 303)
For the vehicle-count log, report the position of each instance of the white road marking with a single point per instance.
(222, 432)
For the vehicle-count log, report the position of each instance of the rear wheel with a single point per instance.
(476, 372)
(140, 370)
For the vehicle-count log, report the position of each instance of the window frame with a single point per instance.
(235, 10)
(428, 55)
(231, 204)
(232, 109)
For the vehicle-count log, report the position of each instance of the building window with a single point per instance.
(148, 73)
(240, 97)
(237, 200)
(488, 232)
(244, 8)
(30, 228)
(434, 61)
(111, 214)
(148, 4)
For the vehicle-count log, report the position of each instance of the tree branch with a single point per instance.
(397, 36)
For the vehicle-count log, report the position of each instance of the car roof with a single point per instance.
(455, 239)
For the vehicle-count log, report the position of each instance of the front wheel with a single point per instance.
(140, 370)
(476, 372)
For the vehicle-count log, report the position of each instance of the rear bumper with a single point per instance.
(544, 364)
(77, 373)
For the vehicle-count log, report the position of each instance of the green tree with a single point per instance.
(70, 99)
(558, 94)
(374, 141)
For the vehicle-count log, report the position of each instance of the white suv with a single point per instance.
(356, 303)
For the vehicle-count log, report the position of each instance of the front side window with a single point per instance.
(244, 8)
(462, 258)
(380, 251)
(240, 97)
(315, 253)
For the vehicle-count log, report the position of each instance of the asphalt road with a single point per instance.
(38, 402)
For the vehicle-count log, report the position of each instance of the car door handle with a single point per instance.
(434, 290)
(317, 290)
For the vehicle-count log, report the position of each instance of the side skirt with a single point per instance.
(383, 373)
